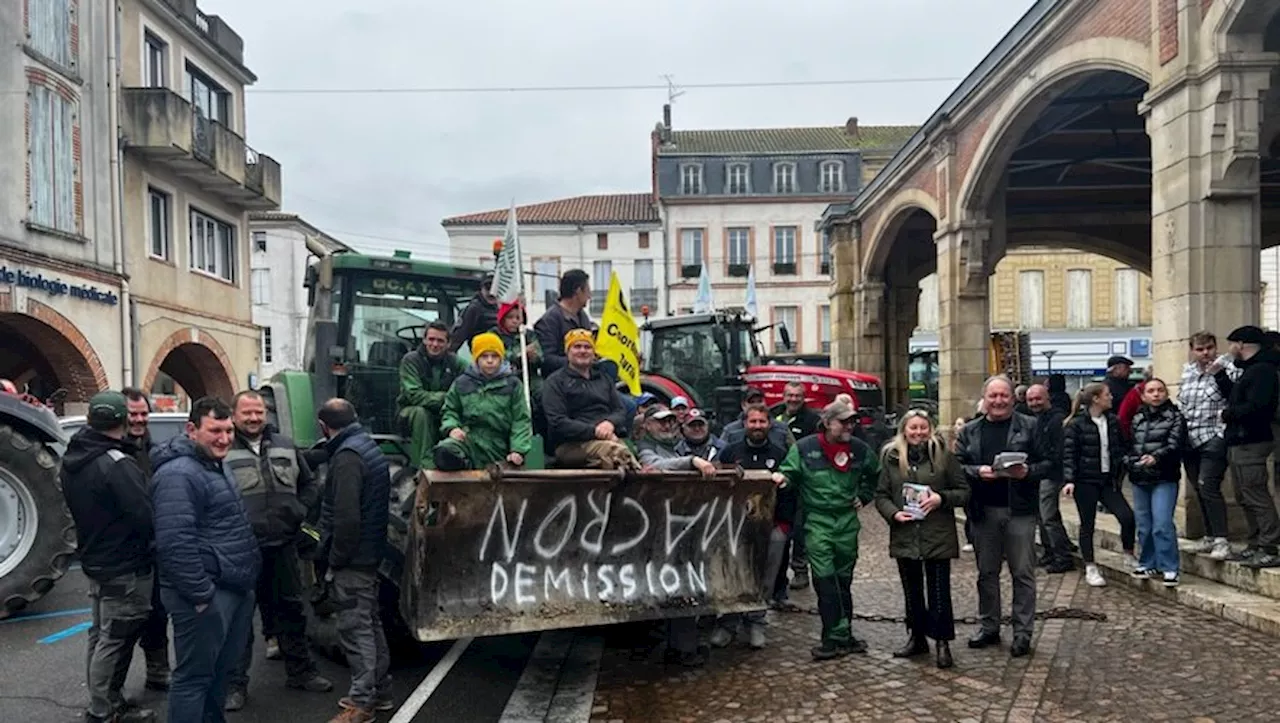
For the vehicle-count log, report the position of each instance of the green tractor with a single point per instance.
(501, 551)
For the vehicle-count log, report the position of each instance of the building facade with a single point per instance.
(281, 246)
(189, 183)
(735, 200)
(1079, 308)
(600, 234)
(64, 311)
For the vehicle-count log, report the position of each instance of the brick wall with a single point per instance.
(1168, 17)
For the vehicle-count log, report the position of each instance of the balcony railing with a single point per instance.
(598, 297)
(643, 297)
(691, 271)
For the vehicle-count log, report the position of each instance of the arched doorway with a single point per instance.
(48, 363)
(195, 363)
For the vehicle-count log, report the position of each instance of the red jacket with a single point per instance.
(1128, 408)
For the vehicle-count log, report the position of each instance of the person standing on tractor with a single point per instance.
(480, 315)
(568, 314)
(586, 419)
(425, 377)
(834, 474)
(154, 642)
(277, 489)
(485, 418)
(107, 495)
(353, 535)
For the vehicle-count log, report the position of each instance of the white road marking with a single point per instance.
(559, 681)
(422, 693)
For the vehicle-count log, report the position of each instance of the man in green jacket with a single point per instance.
(834, 474)
(485, 417)
(425, 377)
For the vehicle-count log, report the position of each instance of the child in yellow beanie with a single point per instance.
(485, 418)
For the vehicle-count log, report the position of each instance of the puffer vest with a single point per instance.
(375, 494)
(268, 484)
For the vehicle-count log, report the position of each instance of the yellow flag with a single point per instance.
(619, 337)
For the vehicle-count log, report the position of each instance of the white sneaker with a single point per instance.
(1171, 579)
(1093, 576)
(1130, 562)
(1203, 545)
(966, 547)
(756, 635)
(1221, 549)
(720, 638)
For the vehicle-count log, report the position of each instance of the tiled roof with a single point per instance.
(789, 140)
(611, 208)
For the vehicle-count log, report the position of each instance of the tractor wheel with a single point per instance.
(37, 536)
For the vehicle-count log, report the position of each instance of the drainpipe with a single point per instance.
(127, 317)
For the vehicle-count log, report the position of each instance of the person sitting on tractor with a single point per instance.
(425, 377)
(586, 419)
(800, 419)
(697, 438)
(734, 431)
(510, 319)
(485, 418)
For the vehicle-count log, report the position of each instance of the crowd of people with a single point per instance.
(199, 531)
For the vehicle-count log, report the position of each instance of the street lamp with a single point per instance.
(1048, 357)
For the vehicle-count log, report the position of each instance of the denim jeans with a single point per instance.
(1153, 506)
(207, 646)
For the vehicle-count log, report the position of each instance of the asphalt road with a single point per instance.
(42, 659)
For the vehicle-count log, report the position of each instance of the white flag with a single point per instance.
(702, 303)
(751, 306)
(508, 282)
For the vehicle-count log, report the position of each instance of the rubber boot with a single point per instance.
(800, 578)
(844, 586)
(828, 595)
(157, 668)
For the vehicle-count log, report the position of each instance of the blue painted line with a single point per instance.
(45, 616)
(61, 634)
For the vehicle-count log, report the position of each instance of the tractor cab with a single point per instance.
(701, 356)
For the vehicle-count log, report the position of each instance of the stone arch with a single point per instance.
(1029, 95)
(49, 346)
(885, 232)
(1127, 254)
(1232, 26)
(196, 361)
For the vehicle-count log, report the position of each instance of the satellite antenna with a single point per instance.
(673, 91)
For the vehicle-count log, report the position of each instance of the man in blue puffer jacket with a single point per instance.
(208, 559)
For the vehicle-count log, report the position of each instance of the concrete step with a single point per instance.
(1106, 536)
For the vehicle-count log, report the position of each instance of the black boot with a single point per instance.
(828, 596)
(915, 645)
(944, 655)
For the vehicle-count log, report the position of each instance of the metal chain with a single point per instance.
(1058, 613)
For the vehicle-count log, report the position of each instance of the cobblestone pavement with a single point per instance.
(1149, 661)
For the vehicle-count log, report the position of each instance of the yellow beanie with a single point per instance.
(487, 342)
(576, 335)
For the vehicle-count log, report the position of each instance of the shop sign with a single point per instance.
(54, 286)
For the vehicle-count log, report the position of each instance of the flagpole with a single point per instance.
(524, 343)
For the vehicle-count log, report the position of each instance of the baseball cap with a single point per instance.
(657, 412)
(695, 415)
(108, 407)
(1118, 359)
(680, 402)
(644, 398)
(841, 409)
(753, 393)
(1248, 335)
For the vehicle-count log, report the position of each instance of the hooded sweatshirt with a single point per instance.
(1251, 399)
(107, 495)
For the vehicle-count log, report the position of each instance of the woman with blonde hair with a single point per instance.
(921, 485)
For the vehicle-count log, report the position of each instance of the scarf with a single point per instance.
(837, 453)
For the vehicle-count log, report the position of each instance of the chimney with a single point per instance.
(851, 126)
(666, 116)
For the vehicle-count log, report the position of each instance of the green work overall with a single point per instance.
(830, 499)
(424, 381)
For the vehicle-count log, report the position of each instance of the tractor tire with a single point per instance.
(37, 535)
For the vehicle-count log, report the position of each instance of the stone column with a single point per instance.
(1206, 231)
(964, 319)
(902, 304)
(868, 341)
(845, 271)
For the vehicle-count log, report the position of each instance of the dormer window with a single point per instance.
(737, 180)
(784, 178)
(691, 180)
(832, 176)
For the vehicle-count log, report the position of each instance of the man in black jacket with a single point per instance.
(480, 315)
(585, 414)
(277, 489)
(1251, 407)
(107, 495)
(155, 634)
(353, 533)
(569, 313)
(799, 419)
(1003, 507)
(1053, 536)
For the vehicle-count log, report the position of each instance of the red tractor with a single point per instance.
(712, 358)
(37, 537)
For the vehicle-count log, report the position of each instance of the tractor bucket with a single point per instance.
(509, 551)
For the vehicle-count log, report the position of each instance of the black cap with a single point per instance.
(1118, 359)
(1248, 335)
(753, 393)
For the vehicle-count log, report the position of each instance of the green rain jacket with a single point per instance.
(515, 357)
(424, 381)
(823, 489)
(492, 412)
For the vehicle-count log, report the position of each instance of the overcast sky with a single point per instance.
(393, 165)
